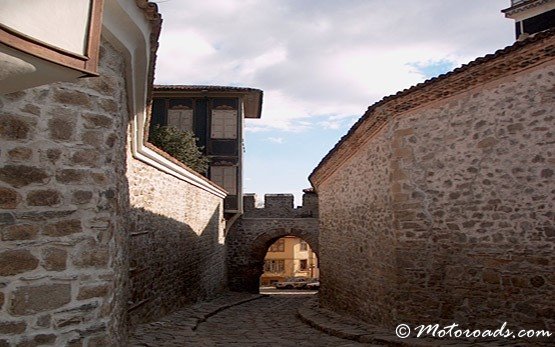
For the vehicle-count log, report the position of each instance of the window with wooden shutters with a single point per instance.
(278, 246)
(275, 266)
(226, 177)
(224, 124)
(181, 118)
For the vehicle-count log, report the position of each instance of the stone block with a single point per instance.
(31, 109)
(99, 178)
(93, 138)
(12, 327)
(7, 219)
(61, 128)
(81, 197)
(403, 132)
(71, 176)
(28, 300)
(86, 157)
(53, 155)
(487, 142)
(54, 259)
(9, 198)
(111, 140)
(44, 339)
(20, 154)
(13, 262)
(89, 254)
(108, 105)
(19, 232)
(46, 197)
(44, 321)
(89, 292)
(97, 121)
(72, 97)
(13, 128)
(22, 175)
(63, 228)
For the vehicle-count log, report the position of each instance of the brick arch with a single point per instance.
(246, 250)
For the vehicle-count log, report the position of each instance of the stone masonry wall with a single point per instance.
(250, 236)
(63, 243)
(481, 191)
(358, 258)
(177, 253)
(447, 212)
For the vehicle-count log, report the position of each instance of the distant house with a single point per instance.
(289, 256)
(215, 114)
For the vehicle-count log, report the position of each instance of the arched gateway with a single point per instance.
(249, 238)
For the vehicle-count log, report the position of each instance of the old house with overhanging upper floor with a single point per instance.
(215, 115)
(443, 195)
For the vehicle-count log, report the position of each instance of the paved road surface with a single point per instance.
(268, 321)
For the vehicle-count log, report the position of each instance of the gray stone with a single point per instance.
(22, 175)
(33, 299)
(13, 262)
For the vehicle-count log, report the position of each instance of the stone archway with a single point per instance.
(249, 240)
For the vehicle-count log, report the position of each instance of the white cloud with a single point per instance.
(316, 59)
(275, 139)
(330, 124)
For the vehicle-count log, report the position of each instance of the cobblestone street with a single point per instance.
(267, 321)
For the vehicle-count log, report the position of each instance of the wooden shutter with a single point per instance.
(230, 179)
(182, 119)
(226, 177)
(224, 124)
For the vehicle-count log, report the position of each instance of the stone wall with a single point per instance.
(474, 206)
(93, 240)
(252, 234)
(445, 214)
(176, 243)
(358, 258)
(63, 246)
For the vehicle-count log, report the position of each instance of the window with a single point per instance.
(181, 118)
(275, 266)
(303, 265)
(304, 246)
(226, 177)
(278, 246)
(224, 124)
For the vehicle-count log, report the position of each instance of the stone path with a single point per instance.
(266, 321)
(281, 319)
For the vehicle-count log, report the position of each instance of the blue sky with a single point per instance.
(320, 63)
(281, 161)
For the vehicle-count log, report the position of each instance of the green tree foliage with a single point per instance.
(181, 145)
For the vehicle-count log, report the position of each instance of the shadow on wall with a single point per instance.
(171, 265)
